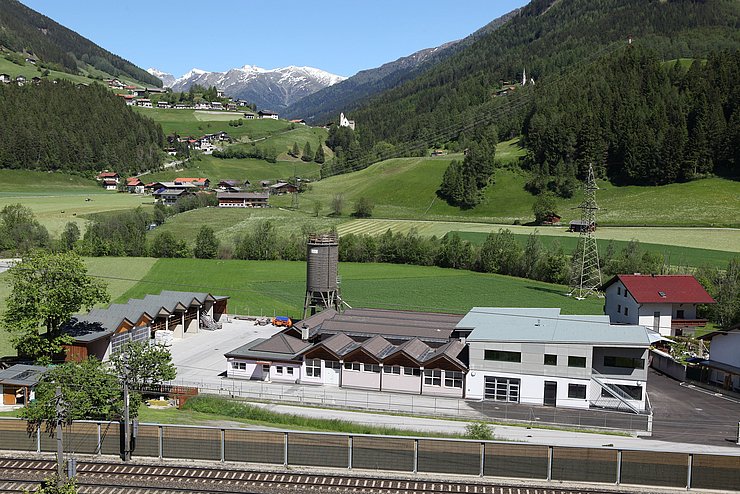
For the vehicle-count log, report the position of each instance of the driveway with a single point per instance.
(691, 415)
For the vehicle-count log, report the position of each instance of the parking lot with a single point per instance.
(691, 415)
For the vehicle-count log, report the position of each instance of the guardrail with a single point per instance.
(413, 455)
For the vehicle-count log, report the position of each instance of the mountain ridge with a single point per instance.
(273, 89)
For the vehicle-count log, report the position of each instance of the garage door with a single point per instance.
(502, 389)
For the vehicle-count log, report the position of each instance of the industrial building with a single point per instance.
(155, 317)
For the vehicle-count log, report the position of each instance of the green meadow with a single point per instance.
(278, 287)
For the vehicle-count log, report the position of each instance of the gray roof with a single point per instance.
(392, 324)
(22, 375)
(278, 347)
(242, 195)
(99, 323)
(549, 326)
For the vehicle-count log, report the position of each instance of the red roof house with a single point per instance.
(665, 303)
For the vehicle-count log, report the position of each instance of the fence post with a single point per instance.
(160, 441)
(650, 423)
(738, 433)
(351, 441)
(482, 458)
(549, 463)
(99, 448)
(223, 445)
(285, 451)
(416, 456)
(619, 466)
(688, 471)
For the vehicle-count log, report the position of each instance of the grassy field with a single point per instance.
(722, 239)
(227, 222)
(283, 141)
(197, 122)
(115, 271)
(509, 152)
(29, 71)
(406, 188)
(253, 170)
(278, 287)
(675, 256)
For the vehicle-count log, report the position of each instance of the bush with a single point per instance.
(479, 430)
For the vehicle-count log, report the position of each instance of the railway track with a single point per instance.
(99, 477)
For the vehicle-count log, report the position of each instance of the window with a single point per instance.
(239, 365)
(279, 369)
(411, 371)
(551, 359)
(619, 309)
(266, 369)
(392, 369)
(433, 377)
(502, 389)
(502, 356)
(680, 314)
(577, 391)
(313, 367)
(453, 379)
(625, 293)
(576, 361)
(626, 311)
(624, 362)
(332, 364)
(289, 370)
(619, 290)
(372, 368)
(633, 392)
(354, 366)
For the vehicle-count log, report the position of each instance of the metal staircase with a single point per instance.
(614, 391)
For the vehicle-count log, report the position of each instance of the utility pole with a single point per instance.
(60, 443)
(126, 447)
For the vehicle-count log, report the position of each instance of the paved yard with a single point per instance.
(200, 357)
(691, 415)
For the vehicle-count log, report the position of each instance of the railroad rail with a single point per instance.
(105, 477)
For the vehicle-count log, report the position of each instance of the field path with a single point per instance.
(725, 239)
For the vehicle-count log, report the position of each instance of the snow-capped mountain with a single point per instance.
(272, 89)
(167, 79)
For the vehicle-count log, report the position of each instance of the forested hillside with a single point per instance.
(62, 126)
(25, 30)
(557, 42)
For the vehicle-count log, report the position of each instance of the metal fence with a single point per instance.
(355, 399)
(391, 453)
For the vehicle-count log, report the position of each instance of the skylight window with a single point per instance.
(662, 294)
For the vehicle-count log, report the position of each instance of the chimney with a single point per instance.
(304, 332)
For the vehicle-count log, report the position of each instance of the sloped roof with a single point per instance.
(242, 195)
(282, 343)
(22, 375)
(339, 344)
(658, 289)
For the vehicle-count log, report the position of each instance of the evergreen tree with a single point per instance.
(307, 153)
(296, 151)
(319, 157)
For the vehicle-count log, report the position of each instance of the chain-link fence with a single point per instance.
(390, 453)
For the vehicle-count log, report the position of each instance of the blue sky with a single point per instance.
(340, 36)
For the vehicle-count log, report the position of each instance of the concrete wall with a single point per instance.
(646, 317)
(285, 376)
(615, 302)
(667, 366)
(635, 374)
(401, 383)
(360, 379)
(531, 388)
(532, 359)
(725, 348)
(252, 371)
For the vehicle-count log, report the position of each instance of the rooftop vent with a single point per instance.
(662, 294)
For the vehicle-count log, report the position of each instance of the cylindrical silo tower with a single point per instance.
(322, 283)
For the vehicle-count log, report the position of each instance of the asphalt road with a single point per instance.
(691, 415)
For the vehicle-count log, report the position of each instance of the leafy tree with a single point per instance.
(70, 235)
(307, 153)
(479, 430)
(166, 245)
(724, 287)
(206, 243)
(500, 253)
(337, 205)
(19, 229)
(317, 206)
(143, 364)
(261, 244)
(319, 157)
(46, 290)
(363, 208)
(544, 207)
(90, 391)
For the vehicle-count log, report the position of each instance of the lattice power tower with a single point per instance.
(586, 272)
(322, 274)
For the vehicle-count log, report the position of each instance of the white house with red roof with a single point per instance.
(664, 303)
